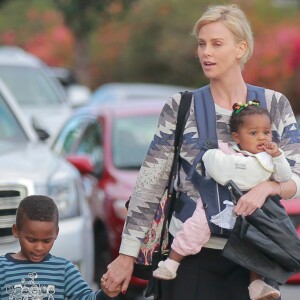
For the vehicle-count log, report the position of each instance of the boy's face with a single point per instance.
(36, 239)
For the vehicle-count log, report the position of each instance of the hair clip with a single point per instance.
(237, 107)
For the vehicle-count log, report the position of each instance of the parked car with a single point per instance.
(108, 145)
(40, 95)
(28, 166)
(124, 92)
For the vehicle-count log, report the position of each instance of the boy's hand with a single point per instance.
(109, 293)
(272, 149)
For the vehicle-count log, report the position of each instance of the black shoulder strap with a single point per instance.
(184, 106)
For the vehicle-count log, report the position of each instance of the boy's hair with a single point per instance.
(240, 111)
(37, 208)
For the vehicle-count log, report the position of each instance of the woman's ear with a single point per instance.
(241, 49)
(235, 137)
(15, 231)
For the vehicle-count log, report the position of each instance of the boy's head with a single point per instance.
(36, 227)
(250, 126)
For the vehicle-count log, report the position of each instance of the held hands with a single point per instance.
(107, 292)
(272, 149)
(118, 275)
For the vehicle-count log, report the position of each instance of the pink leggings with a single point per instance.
(193, 234)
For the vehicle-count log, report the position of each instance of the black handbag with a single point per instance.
(266, 241)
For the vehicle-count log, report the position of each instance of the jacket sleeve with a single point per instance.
(151, 181)
(283, 171)
(286, 132)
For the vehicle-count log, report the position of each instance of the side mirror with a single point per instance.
(85, 165)
(41, 132)
(78, 95)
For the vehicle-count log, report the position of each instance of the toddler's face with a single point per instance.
(255, 131)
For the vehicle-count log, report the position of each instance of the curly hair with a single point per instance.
(37, 208)
(240, 111)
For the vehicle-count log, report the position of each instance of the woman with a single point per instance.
(225, 43)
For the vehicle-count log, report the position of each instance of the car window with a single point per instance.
(10, 129)
(66, 141)
(91, 143)
(131, 139)
(30, 86)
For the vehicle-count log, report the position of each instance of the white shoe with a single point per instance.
(162, 272)
(259, 290)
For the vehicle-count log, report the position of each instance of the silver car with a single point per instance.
(28, 166)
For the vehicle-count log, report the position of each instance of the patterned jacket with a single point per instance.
(153, 175)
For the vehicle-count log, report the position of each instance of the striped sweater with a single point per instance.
(153, 175)
(53, 278)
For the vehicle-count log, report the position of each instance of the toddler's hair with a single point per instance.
(37, 208)
(240, 111)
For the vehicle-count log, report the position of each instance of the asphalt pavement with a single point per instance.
(288, 292)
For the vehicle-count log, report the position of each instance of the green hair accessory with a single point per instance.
(239, 106)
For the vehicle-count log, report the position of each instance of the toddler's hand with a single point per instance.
(272, 149)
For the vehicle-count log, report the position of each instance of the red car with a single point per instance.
(293, 209)
(108, 144)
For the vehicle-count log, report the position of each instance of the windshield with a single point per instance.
(10, 129)
(131, 139)
(30, 86)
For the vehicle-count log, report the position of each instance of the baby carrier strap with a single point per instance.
(212, 194)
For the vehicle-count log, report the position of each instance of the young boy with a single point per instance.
(33, 273)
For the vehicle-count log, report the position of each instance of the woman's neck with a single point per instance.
(225, 93)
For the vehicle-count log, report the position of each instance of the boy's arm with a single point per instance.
(77, 288)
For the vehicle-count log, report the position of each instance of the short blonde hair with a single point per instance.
(235, 20)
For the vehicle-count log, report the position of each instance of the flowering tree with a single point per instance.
(276, 60)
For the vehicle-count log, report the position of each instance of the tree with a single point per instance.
(82, 17)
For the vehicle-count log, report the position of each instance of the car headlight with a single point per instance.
(63, 189)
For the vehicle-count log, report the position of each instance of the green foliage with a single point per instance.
(149, 42)
(161, 48)
(83, 16)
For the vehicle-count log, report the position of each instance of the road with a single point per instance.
(288, 292)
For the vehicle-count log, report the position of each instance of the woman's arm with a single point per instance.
(257, 196)
(149, 188)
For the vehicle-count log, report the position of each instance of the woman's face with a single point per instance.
(218, 51)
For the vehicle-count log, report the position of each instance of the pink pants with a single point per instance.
(193, 234)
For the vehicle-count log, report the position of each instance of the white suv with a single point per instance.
(28, 166)
(40, 96)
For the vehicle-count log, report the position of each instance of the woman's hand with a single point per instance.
(118, 274)
(255, 198)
